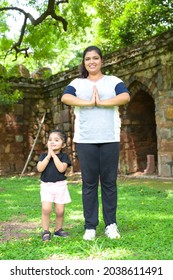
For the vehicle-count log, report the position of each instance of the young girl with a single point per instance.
(52, 166)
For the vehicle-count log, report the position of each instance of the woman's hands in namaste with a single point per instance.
(95, 97)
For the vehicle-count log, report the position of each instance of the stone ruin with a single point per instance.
(147, 121)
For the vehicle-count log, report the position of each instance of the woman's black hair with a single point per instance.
(84, 72)
(61, 134)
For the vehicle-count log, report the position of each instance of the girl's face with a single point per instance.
(55, 142)
(92, 62)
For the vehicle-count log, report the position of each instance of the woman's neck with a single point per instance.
(95, 77)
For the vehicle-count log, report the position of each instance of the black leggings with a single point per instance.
(99, 162)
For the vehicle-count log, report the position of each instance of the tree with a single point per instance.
(43, 40)
(46, 39)
(8, 95)
(126, 22)
(58, 34)
(109, 24)
(50, 11)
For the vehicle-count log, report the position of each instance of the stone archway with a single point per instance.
(139, 139)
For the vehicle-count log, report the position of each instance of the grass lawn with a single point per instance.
(145, 221)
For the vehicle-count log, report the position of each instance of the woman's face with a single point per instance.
(92, 62)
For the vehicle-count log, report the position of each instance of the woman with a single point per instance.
(96, 98)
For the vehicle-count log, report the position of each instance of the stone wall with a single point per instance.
(147, 121)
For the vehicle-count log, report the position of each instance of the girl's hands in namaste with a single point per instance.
(51, 153)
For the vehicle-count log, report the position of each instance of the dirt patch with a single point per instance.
(15, 230)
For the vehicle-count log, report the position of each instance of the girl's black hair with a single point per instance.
(84, 72)
(61, 134)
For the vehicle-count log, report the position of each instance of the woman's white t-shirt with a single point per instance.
(96, 124)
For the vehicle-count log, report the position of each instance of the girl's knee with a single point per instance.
(46, 211)
(46, 208)
(59, 210)
(60, 213)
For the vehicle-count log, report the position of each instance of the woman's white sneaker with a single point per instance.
(112, 231)
(89, 234)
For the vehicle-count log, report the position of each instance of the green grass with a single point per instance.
(144, 215)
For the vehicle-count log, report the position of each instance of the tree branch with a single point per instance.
(50, 11)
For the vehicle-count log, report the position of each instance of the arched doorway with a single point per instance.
(139, 139)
